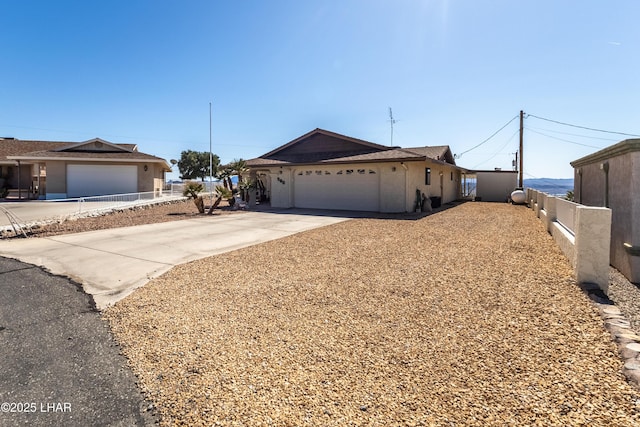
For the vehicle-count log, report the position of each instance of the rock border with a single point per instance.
(627, 340)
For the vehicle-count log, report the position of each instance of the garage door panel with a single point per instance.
(352, 189)
(94, 180)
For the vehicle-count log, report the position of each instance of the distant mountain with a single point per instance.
(550, 185)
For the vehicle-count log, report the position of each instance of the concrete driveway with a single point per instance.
(110, 264)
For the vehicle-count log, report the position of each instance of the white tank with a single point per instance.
(518, 196)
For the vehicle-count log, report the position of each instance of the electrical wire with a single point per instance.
(505, 144)
(457, 156)
(581, 127)
(573, 134)
(562, 139)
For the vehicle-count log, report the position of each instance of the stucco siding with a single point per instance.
(622, 192)
(393, 187)
(56, 177)
(396, 184)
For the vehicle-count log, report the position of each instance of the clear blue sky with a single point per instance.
(454, 72)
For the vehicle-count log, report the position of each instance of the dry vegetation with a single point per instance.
(459, 318)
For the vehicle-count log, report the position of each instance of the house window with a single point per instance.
(427, 176)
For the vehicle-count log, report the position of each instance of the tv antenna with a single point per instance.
(392, 121)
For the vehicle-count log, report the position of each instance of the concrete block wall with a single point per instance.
(587, 246)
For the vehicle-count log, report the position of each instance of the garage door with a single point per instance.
(347, 189)
(97, 180)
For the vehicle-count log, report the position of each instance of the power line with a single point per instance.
(505, 144)
(457, 156)
(562, 139)
(573, 134)
(581, 127)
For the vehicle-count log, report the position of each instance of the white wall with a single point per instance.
(495, 186)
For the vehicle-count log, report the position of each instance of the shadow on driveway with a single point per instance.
(410, 216)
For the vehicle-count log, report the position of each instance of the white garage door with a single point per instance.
(347, 189)
(97, 180)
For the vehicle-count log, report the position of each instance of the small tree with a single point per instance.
(192, 190)
(195, 164)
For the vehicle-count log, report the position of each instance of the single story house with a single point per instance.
(58, 170)
(326, 170)
(611, 178)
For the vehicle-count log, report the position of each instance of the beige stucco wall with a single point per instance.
(443, 184)
(281, 187)
(56, 177)
(624, 200)
(398, 182)
(393, 184)
(146, 179)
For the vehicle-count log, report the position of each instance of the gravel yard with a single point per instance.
(465, 317)
(125, 217)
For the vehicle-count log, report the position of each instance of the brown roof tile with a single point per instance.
(17, 149)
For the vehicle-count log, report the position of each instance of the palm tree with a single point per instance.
(239, 167)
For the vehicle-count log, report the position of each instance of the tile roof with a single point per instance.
(35, 155)
(323, 147)
(12, 149)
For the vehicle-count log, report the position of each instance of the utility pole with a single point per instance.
(521, 144)
(210, 159)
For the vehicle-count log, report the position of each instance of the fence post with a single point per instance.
(539, 202)
(550, 210)
(592, 245)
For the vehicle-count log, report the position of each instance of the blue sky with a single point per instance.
(454, 72)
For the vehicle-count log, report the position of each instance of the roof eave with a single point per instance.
(84, 159)
(619, 149)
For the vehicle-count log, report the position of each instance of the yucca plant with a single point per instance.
(221, 193)
(192, 190)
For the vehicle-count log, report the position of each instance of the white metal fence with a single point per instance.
(115, 201)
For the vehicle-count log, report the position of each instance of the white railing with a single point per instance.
(91, 204)
(582, 232)
(178, 188)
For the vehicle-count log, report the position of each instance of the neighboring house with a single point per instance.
(611, 178)
(326, 170)
(57, 170)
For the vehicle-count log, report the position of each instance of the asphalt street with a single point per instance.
(60, 365)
